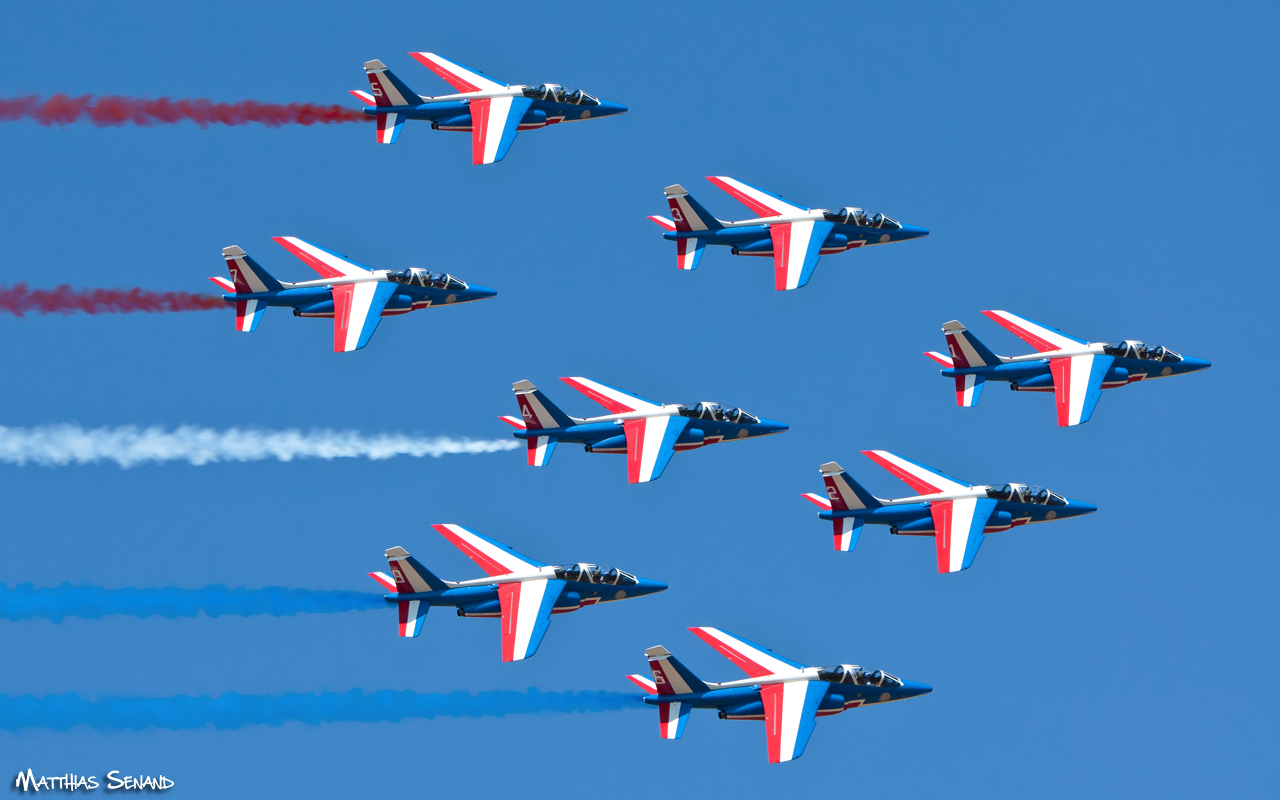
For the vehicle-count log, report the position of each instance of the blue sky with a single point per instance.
(1108, 170)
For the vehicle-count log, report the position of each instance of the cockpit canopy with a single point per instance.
(719, 413)
(854, 674)
(595, 573)
(860, 218)
(1141, 350)
(427, 278)
(1024, 493)
(560, 94)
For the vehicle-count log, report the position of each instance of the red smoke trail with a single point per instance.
(114, 110)
(18, 300)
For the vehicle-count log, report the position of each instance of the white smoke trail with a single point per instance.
(129, 446)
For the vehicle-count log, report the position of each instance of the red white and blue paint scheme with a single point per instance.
(956, 514)
(354, 296)
(648, 433)
(523, 593)
(787, 695)
(1074, 370)
(492, 111)
(794, 236)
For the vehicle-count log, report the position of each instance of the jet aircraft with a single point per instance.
(954, 513)
(491, 110)
(793, 235)
(1075, 371)
(648, 432)
(524, 593)
(356, 297)
(786, 694)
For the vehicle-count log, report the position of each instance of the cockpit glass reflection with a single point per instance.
(860, 218)
(718, 413)
(856, 675)
(427, 278)
(1140, 350)
(1024, 493)
(560, 94)
(594, 573)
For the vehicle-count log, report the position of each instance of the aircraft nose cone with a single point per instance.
(647, 586)
(913, 689)
(480, 292)
(913, 232)
(1080, 507)
(770, 426)
(1195, 364)
(607, 109)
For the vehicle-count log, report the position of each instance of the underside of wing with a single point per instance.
(1042, 337)
(463, 79)
(958, 526)
(796, 247)
(616, 400)
(750, 657)
(1077, 385)
(526, 612)
(790, 711)
(326, 262)
(494, 122)
(765, 204)
(357, 310)
(495, 558)
(650, 444)
(925, 480)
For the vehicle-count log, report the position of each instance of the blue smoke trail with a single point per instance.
(25, 601)
(232, 710)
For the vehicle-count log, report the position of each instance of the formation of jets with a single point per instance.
(954, 513)
(1075, 371)
(523, 593)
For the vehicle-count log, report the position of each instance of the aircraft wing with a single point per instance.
(526, 612)
(616, 400)
(326, 262)
(494, 122)
(958, 526)
(765, 204)
(464, 79)
(1077, 385)
(495, 558)
(650, 444)
(796, 246)
(1042, 337)
(357, 310)
(790, 711)
(925, 480)
(751, 658)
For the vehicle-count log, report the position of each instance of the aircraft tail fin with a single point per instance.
(537, 413)
(387, 91)
(966, 350)
(670, 677)
(687, 213)
(408, 574)
(247, 277)
(844, 492)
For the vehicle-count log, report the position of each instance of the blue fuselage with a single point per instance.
(455, 115)
(917, 518)
(755, 240)
(608, 437)
(1035, 376)
(744, 702)
(317, 301)
(482, 601)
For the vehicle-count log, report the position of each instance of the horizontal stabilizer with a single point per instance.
(644, 683)
(945, 361)
(384, 580)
